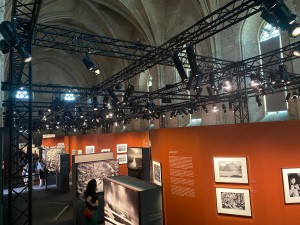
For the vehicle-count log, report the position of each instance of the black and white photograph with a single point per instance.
(231, 170)
(105, 150)
(233, 201)
(95, 170)
(291, 185)
(79, 152)
(120, 204)
(51, 158)
(122, 159)
(135, 158)
(156, 173)
(89, 149)
(121, 148)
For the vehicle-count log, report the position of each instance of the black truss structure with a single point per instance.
(18, 205)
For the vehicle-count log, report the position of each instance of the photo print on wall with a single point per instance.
(121, 148)
(156, 173)
(89, 149)
(122, 159)
(231, 170)
(291, 185)
(233, 201)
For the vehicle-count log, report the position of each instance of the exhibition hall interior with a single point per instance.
(181, 111)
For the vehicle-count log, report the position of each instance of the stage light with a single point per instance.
(69, 97)
(112, 94)
(205, 109)
(215, 108)
(179, 66)
(230, 104)
(4, 47)
(288, 96)
(296, 51)
(195, 71)
(294, 95)
(198, 94)
(128, 92)
(212, 80)
(224, 108)
(95, 103)
(254, 81)
(258, 101)
(294, 30)
(284, 77)
(22, 94)
(209, 91)
(24, 53)
(90, 65)
(272, 77)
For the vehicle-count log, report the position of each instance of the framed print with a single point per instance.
(89, 149)
(79, 152)
(105, 150)
(121, 148)
(156, 173)
(61, 144)
(233, 201)
(231, 170)
(73, 152)
(291, 185)
(122, 158)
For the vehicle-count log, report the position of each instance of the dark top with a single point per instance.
(94, 199)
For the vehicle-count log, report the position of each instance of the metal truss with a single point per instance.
(18, 205)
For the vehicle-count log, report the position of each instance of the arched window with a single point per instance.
(269, 40)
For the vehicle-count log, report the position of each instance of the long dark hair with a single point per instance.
(91, 188)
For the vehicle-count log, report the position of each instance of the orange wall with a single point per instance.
(100, 141)
(268, 148)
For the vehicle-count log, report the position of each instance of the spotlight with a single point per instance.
(224, 108)
(4, 47)
(230, 104)
(9, 33)
(112, 94)
(254, 81)
(205, 109)
(288, 96)
(296, 51)
(258, 101)
(198, 94)
(24, 53)
(95, 103)
(128, 92)
(294, 30)
(193, 65)
(272, 77)
(284, 77)
(294, 95)
(212, 80)
(90, 65)
(179, 67)
(215, 108)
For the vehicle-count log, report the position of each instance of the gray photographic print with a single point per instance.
(231, 200)
(230, 169)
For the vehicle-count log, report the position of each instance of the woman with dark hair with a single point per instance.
(91, 200)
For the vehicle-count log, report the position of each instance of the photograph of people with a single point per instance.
(294, 187)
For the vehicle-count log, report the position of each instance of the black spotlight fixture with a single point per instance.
(90, 65)
(195, 71)
(288, 96)
(112, 94)
(284, 77)
(224, 108)
(95, 103)
(205, 109)
(258, 101)
(4, 47)
(128, 92)
(179, 66)
(12, 39)
(296, 51)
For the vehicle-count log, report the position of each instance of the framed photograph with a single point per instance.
(79, 152)
(231, 170)
(105, 150)
(121, 148)
(122, 159)
(291, 185)
(233, 201)
(73, 152)
(156, 173)
(89, 149)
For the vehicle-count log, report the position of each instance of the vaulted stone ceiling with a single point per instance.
(151, 22)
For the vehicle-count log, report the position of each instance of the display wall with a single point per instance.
(188, 179)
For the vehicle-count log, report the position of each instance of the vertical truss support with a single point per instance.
(18, 204)
(240, 99)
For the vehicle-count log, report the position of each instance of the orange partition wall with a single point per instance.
(52, 141)
(189, 189)
(132, 139)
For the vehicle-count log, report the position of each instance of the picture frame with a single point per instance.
(61, 144)
(105, 150)
(89, 149)
(79, 152)
(291, 185)
(122, 159)
(231, 170)
(121, 148)
(156, 168)
(233, 201)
